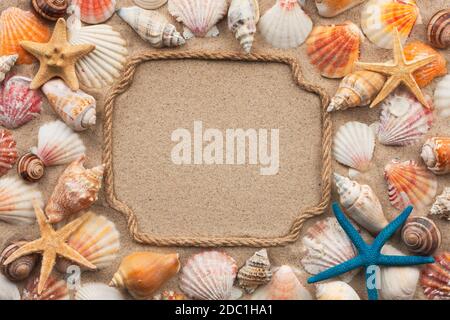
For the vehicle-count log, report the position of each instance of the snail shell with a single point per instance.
(421, 235)
(50, 9)
(19, 269)
(438, 30)
(30, 167)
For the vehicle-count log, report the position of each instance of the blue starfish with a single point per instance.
(369, 255)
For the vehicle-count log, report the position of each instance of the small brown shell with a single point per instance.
(255, 272)
(421, 235)
(438, 30)
(50, 9)
(30, 167)
(21, 268)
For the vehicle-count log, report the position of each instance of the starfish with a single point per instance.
(57, 57)
(370, 255)
(400, 71)
(51, 244)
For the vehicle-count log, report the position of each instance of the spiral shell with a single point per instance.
(55, 289)
(441, 207)
(6, 63)
(255, 272)
(30, 167)
(19, 269)
(438, 30)
(50, 9)
(436, 154)
(421, 235)
(8, 151)
(435, 278)
(243, 16)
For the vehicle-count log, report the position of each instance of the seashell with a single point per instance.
(421, 235)
(418, 50)
(334, 49)
(335, 290)
(102, 66)
(199, 17)
(243, 16)
(98, 291)
(353, 145)
(435, 278)
(19, 269)
(438, 30)
(18, 103)
(8, 151)
(76, 108)
(332, 8)
(441, 207)
(8, 290)
(403, 120)
(152, 27)
(357, 89)
(255, 272)
(283, 286)
(142, 273)
(209, 275)
(169, 295)
(76, 190)
(55, 289)
(442, 96)
(150, 4)
(409, 184)
(97, 240)
(93, 11)
(6, 63)
(285, 25)
(361, 204)
(436, 154)
(17, 25)
(30, 167)
(16, 201)
(380, 17)
(51, 9)
(326, 244)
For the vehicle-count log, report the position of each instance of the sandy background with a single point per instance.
(222, 200)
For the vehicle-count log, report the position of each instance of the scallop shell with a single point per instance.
(102, 66)
(150, 4)
(98, 291)
(19, 269)
(55, 289)
(152, 26)
(334, 49)
(326, 245)
(354, 144)
(209, 275)
(76, 190)
(198, 16)
(403, 120)
(17, 25)
(8, 151)
(142, 273)
(357, 89)
(435, 278)
(442, 96)
(380, 17)
(51, 9)
(94, 11)
(409, 184)
(6, 63)
(332, 8)
(255, 272)
(421, 235)
(438, 30)
(16, 201)
(335, 290)
(8, 290)
(424, 76)
(441, 207)
(283, 286)
(30, 167)
(436, 154)
(76, 108)
(243, 16)
(18, 103)
(285, 25)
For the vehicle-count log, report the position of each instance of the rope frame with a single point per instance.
(125, 82)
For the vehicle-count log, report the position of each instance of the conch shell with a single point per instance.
(243, 16)
(436, 154)
(255, 272)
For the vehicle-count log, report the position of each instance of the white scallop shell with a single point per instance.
(6, 63)
(335, 290)
(442, 96)
(285, 25)
(100, 67)
(16, 201)
(8, 289)
(98, 291)
(150, 4)
(58, 144)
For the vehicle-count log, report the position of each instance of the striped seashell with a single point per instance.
(93, 11)
(150, 4)
(55, 289)
(50, 9)
(421, 236)
(435, 278)
(442, 96)
(21, 268)
(255, 272)
(438, 31)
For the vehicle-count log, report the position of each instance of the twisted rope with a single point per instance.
(124, 83)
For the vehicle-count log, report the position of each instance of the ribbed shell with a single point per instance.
(55, 289)
(243, 16)
(435, 278)
(6, 63)
(51, 9)
(8, 289)
(436, 154)
(255, 272)
(442, 96)
(98, 291)
(421, 235)
(332, 8)
(150, 4)
(95, 11)
(8, 151)
(438, 30)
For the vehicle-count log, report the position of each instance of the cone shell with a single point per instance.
(55, 289)
(17, 25)
(8, 290)
(95, 11)
(142, 273)
(335, 290)
(334, 49)
(198, 16)
(283, 286)
(8, 151)
(409, 184)
(255, 272)
(442, 96)
(438, 30)
(285, 25)
(18, 103)
(16, 201)
(30, 167)
(98, 291)
(418, 50)
(435, 278)
(441, 207)
(243, 16)
(209, 275)
(380, 17)
(51, 9)
(421, 235)
(76, 190)
(436, 154)
(332, 8)
(19, 269)
(326, 245)
(76, 108)
(6, 63)
(152, 26)
(150, 4)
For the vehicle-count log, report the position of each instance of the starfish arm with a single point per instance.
(70, 77)
(414, 87)
(41, 77)
(390, 84)
(385, 260)
(48, 261)
(335, 271)
(375, 67)
(352, 233)
(77, 51)
(390, 229)
(59, 34)
(44, 227)
(71, 227)
(399, 55)
(372, 292)
(37, 49)
(26, 249)
(69, 253)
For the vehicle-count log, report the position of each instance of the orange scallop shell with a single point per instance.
(435, 278)
(8, 151)
(95, 11)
